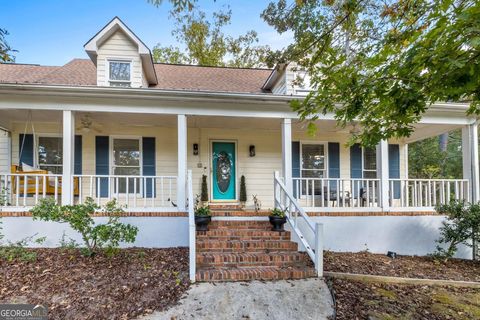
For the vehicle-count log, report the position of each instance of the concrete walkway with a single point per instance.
(289, 300)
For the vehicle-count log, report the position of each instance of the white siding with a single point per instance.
(4, 151)
(119, 46)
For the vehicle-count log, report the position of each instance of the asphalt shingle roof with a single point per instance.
(82, 72)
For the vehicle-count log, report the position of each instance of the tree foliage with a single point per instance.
(461, 226)
(426, 160)
(381, 63)
(5, 50)
(95, 236)
(206, 44)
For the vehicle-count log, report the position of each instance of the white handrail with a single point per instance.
(337, 192)
(26, 189)
(285, 201)
(427, 193)
(191, 227)
(134, 192)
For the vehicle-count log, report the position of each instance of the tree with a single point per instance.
(206, 44)
(426, 159)
(381, 63)
(5, 50)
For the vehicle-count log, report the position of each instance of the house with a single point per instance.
(117, 125)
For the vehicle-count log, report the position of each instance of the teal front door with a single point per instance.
(223, 171)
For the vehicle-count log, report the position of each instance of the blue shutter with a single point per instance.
(394, 167)
(356, 170)
(78, 155)
(148, 165)
(102, 163)
(26, 152)
(295, 165)
(356, 166)
(333, 163)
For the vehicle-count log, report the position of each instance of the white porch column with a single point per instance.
(182, 162)
(470, 159)
(287, 154)
(383, 175)
(68, 156)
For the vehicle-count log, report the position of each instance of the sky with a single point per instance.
(52, 32)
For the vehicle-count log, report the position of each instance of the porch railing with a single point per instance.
(24, 190)
(134, 192)
(427, 193)
(333, 192)
(310, 234)
(191, 227)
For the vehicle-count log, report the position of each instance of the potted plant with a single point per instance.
(202, 218)
(243, 191)
(277, 218)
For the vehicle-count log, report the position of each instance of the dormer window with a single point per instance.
(119, 73)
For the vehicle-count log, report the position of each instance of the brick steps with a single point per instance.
(239, 213)
(246, 245)
(232, 224)
(254, 273)
(242, 234)
(277, 259)
(239, 250)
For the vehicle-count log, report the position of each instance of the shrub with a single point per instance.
(243, 190)
(461, 226)
(204, 195)
(203, 212)
(106, 236)
(18, 251)
(278, 213)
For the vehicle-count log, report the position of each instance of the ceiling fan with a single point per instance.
(87, 125)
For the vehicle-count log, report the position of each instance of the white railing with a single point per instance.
(427, 193)
(191, 227)
(310, 234)
(333, 192)
(26, 190)
(133, 192)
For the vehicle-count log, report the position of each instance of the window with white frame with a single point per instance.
(126, 162)
(313, 160)
(119, 73)
(50, 154)
(369, 163)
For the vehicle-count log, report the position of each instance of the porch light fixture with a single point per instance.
(195, 149)
(252, 151)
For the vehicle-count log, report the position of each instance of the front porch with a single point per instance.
(142, 160)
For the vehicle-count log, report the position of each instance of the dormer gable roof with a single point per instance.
(116, 24)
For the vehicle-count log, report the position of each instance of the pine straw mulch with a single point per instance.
(402, 266)
(380, 301)
(131, 283)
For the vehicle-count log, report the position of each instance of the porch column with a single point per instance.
(470, 159)
(382, 171)
(287, 154)
(68, 156)
(182, 162)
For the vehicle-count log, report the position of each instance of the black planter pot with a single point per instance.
(277, 222)
(202, 222)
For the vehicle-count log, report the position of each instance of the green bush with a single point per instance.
(106, 236)
(203, 212)
(461, 226)
(278, 213)
(243, 190)
(18, 251)
(204, 195)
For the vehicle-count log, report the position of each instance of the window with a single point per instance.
(313, 165)
(126, 162)
(119, 73)
(50, 154)
(369, 163)
(313, 161)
